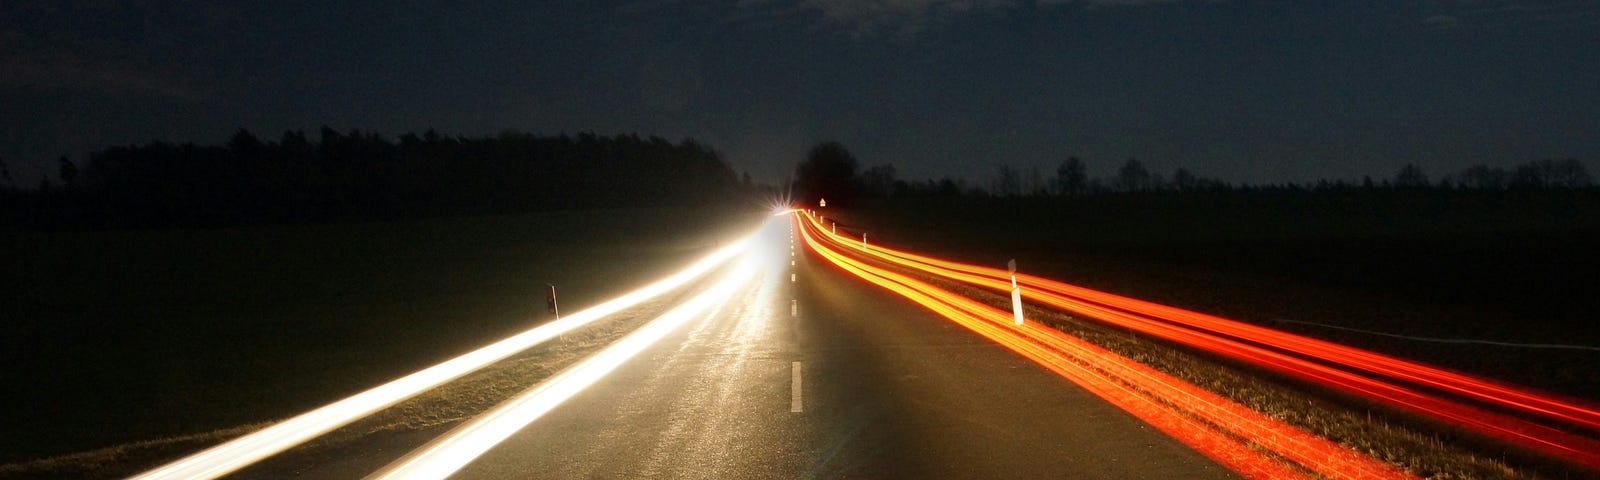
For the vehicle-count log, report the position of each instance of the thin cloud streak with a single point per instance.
(910, 19)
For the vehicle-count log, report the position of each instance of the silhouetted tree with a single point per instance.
(362, 175)
(1410, 176)
(1072, 177)
(293, 144)
(1036, 185)
(1132, 177)
(828, 172)
(878, 180)
(1550, 173)
(68, 172)
(244, 143)
(1482, 177)
(1183, 180)
(1007, 182)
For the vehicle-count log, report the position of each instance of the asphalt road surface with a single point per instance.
(825, 376)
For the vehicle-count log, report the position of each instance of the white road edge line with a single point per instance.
(449, 453)
(794, 387)
(240, 452)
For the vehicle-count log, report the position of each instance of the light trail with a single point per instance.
(447, 454)
(1302, 357)
(240, 452)
(1517, 397)
(1205, 421)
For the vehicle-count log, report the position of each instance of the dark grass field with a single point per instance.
(123, 336)
(1515, 267)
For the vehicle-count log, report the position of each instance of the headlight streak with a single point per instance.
(449, 453)
(240, 452)
(1306, 358)
(1203, 420)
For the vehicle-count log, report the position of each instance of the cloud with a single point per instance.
(68, 72)
(908, 19)
(141, 48)
(1510, 14)
(902, 19)
(1442, 22)
(1117, 3)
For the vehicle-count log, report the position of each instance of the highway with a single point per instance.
(797, 352)
(820, 375)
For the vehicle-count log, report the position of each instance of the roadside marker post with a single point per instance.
(550, 300)
(1016, 293)
(863, 240)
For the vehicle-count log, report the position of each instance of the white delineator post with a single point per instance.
(550, 300)
(1016, 293)
(863, 240)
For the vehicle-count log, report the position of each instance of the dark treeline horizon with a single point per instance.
(359, 175)
(365, 176)
(1132, 177)
(831, 171)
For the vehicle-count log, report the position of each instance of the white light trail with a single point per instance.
(240, 452)
(445, 455)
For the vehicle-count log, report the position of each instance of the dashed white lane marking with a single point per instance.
(791, 278)
(794, 387)
(794, 308)
(791, 263)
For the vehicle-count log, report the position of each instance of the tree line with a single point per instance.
(829, 170)
(359, 175)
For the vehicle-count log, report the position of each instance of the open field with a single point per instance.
(122, 336)
(1508, 267)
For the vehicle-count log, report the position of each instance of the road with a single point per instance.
(820, 375)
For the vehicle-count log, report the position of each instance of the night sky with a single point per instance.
(1263, 91)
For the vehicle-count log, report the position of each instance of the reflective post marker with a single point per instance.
(550, 300)
(1016, 293)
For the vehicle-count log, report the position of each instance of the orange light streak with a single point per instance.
(1277, 351)
(1205, 421)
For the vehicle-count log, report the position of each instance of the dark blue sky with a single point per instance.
(1248, 91)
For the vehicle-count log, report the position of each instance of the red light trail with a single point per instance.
(1219, 428)
(1367, 374)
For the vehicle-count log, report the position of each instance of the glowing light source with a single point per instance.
(240, 452)
(454, 450)
(1337, 366)
(1203, 420)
